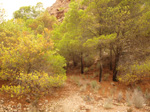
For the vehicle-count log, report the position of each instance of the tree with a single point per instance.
(70, 35)
(119, 17)
(2, 15)
(27, 12)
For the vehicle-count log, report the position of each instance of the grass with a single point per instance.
(112, 91)
(128, 98)
(76, 80)
(103, 91)
(87, 98)
(83, 88)
(108, 103)
(95, 75)
(120, 96)
(106, 76)
(138, 99)
(147, 97)
(86, 69)
(129, 110)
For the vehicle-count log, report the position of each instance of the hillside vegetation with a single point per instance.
(37, 49)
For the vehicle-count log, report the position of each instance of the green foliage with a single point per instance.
(27, 12)
(94, 85)
(29, 54)
(106, 76)
(35, 84)
(86, 70)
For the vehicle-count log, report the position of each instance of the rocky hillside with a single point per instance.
(59, 8)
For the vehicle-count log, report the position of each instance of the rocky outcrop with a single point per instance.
(59, 8)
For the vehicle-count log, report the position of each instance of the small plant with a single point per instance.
(95, 75)
(147, 97)
(139, 88)
(106, 76)
(103, 91)
(98, 65)
(92, 67)
(87, 98)
(108, 103)
(128, 98)
(61, 9)
(86, 69)
(76, 80)
(83, 76)
(138, 99)
(129, 110)
(83, 88)
(95, 86)
(112, 91)
(120, 96)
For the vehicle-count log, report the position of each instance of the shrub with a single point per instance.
(83, 88)
(130, 110)
(86, 69)
(95, 75)
(147, 97)
(108, 103)
(128, 98)
(35, 84)
(106, 76)
(88, 61)
(28, 54)
(95, 86)
(138, 99)
(120, 96)
(76, 80)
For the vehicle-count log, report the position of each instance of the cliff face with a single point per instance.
(59, 8)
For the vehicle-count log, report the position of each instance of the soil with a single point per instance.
(74, 97)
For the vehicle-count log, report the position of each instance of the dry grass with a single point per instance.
(108, 103)
(138, 99)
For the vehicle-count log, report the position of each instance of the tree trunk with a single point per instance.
(110, 57)
(115, 71)
(101, 66)
(82, 67)
(29, 68)
(74, 62)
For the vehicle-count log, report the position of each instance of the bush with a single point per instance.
(95, 75)
(128, 98)
(94, 85)
(35, 84)
(86, 69)
(120, 96)
(108, 103)
(28, 54)
(138, 99)
(147, 97)
(88, 61)
(106, 76)
(76, 80)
